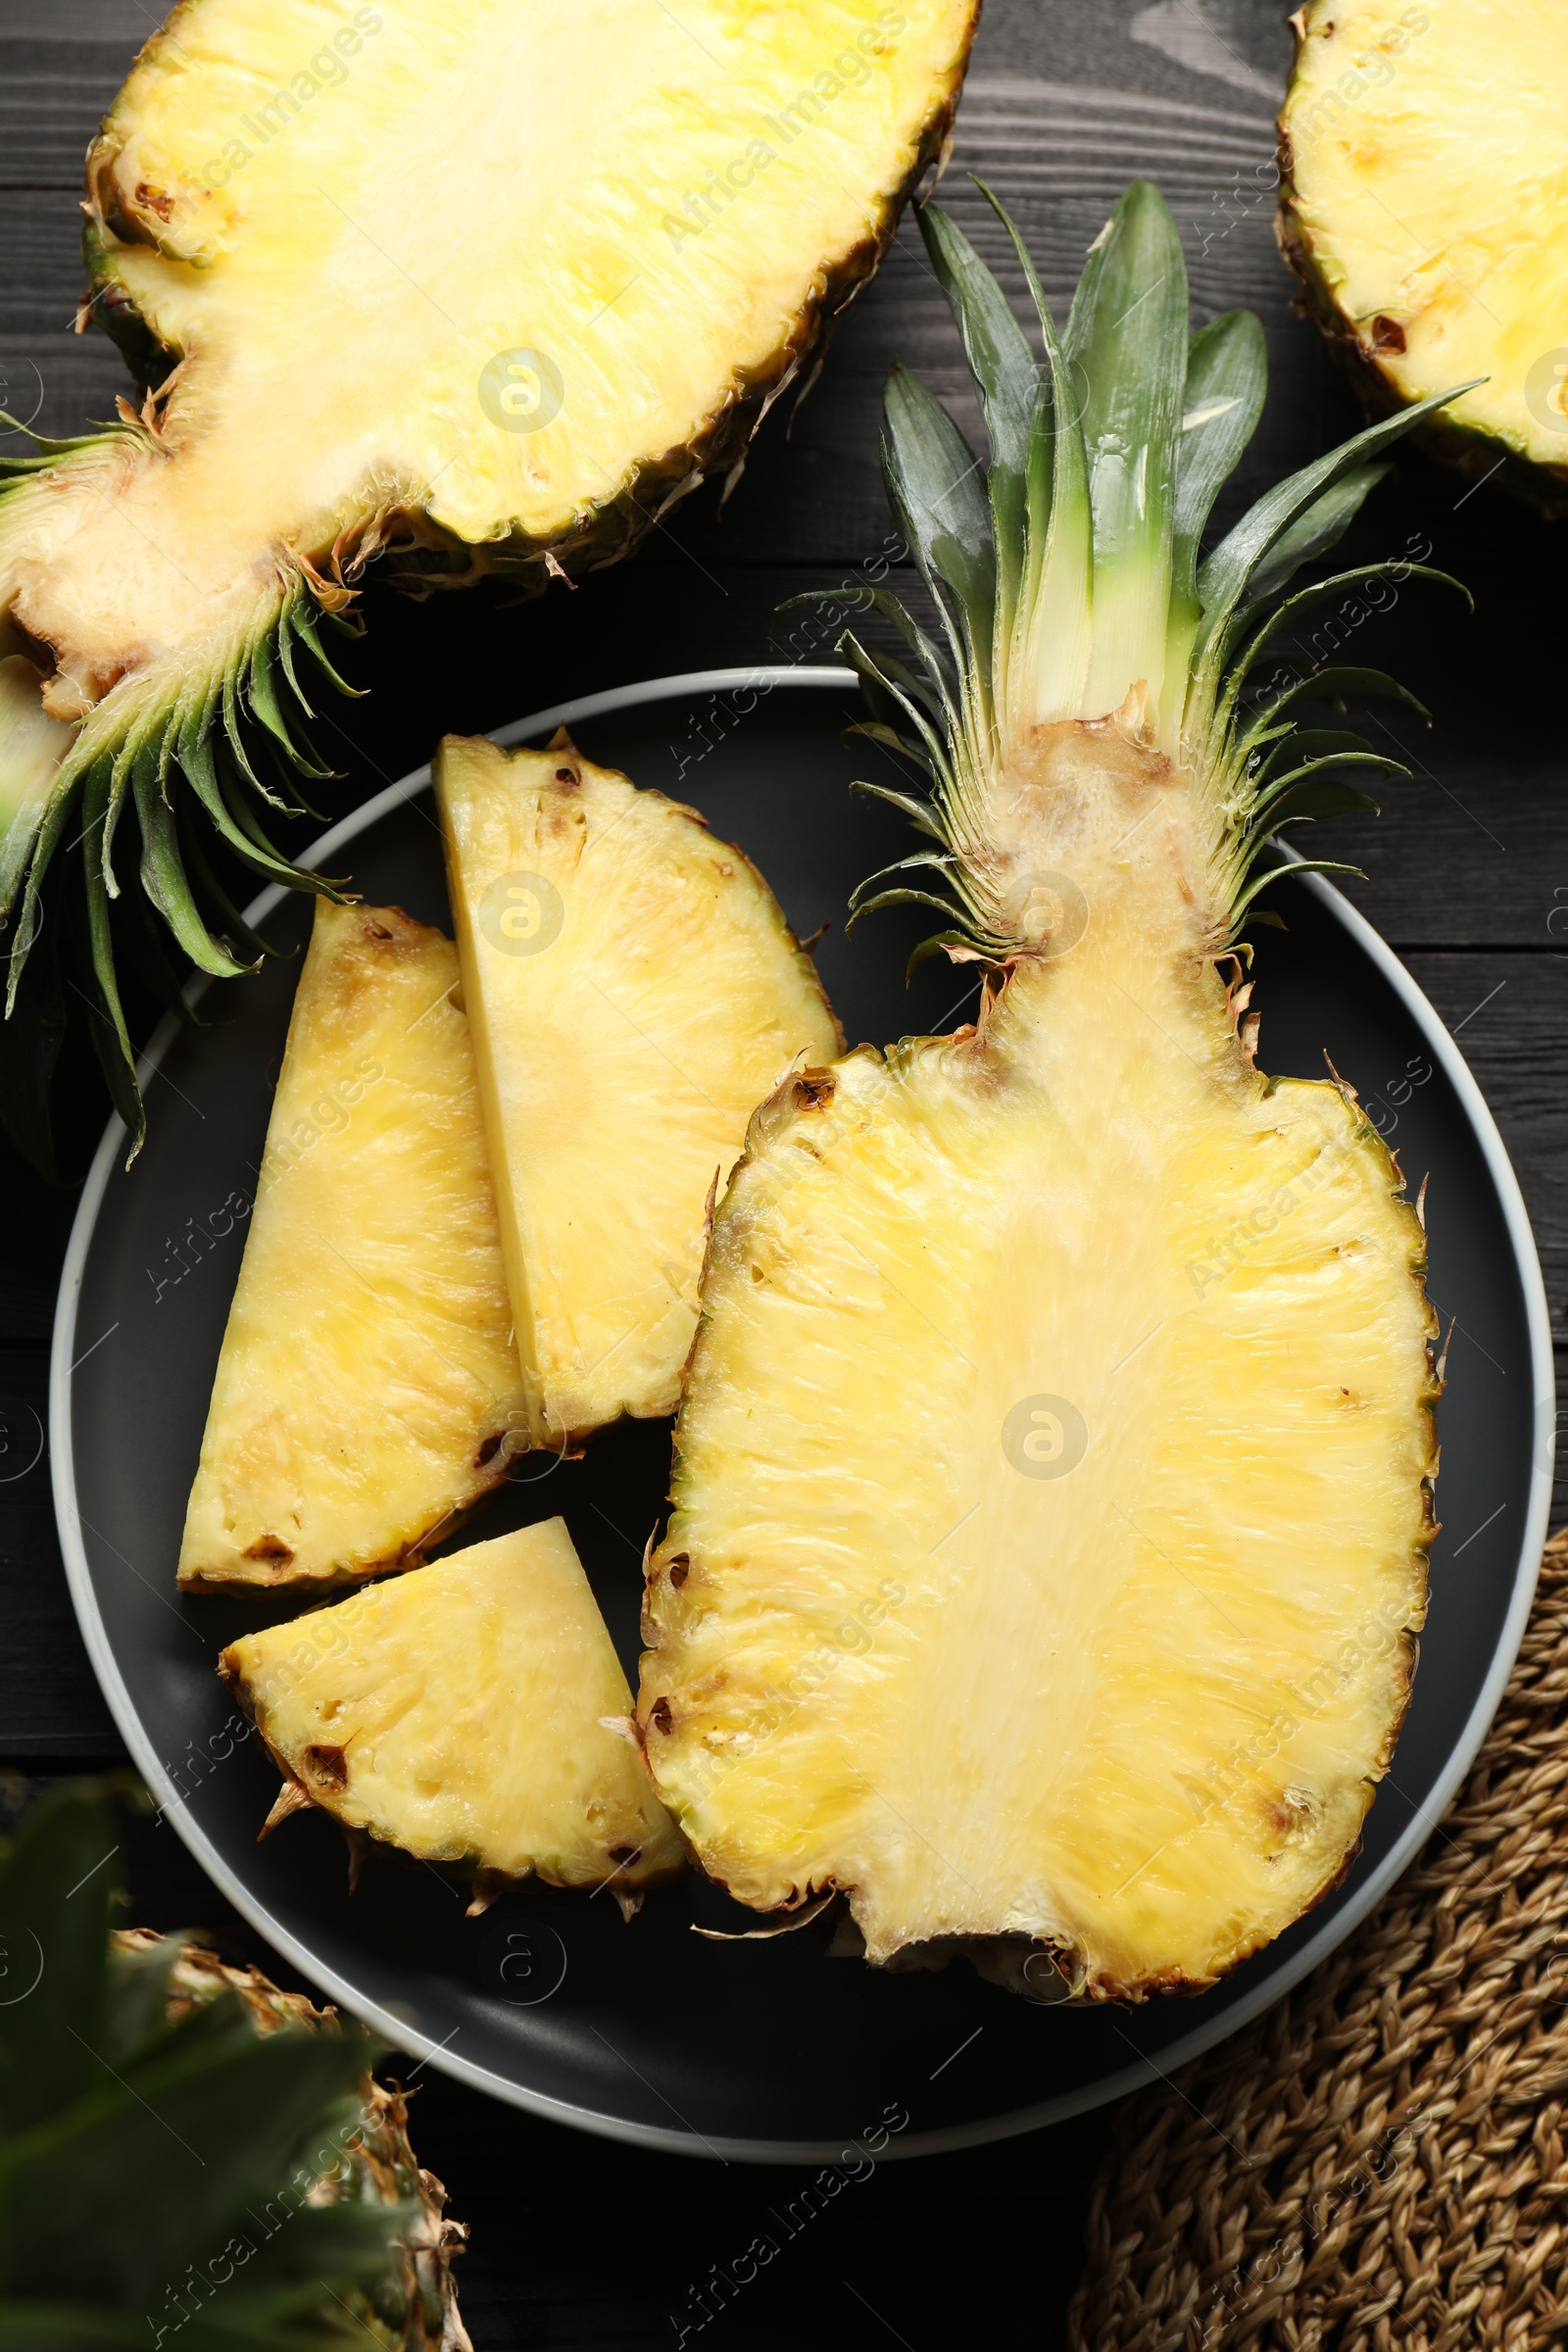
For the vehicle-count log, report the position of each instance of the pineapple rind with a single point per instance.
(622, 1048)
(1393, 150)
(368, 1390)
(457, 1713)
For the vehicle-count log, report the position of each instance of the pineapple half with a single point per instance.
(1421, 187)
(368, 1390)
(471, 1713)
(634, 993)
(488, 281)
(1054, 1473)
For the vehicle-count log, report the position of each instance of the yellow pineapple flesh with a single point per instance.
(634, 993)
(458, 1712)
(1421, 191)
(367, 1392)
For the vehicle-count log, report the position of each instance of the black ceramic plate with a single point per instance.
(648, 2032)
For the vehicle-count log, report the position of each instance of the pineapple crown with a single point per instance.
(165, 2175)
(1067, 576)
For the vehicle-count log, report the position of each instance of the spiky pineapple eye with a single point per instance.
(328, 1767)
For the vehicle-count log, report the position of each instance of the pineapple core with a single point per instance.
(456, 1712)
(368, 1388)
(634, 992)
(1051, 1523)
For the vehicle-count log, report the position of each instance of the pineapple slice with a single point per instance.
(458, 1712)
(1053, 1471)
(1421, 191)
(634, 993)
(368, 1388)
(551, 261)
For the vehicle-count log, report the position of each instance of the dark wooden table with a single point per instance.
(578, 2241)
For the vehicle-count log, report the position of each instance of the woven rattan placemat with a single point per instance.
(1380, 2160)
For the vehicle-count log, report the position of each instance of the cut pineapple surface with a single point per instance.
(1049, 1510)
(486, 282)
(634, 993)
(1422, 204)
(368, 1390)
(456, 1712)
(1054, 1468)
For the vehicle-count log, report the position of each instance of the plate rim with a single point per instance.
(1274, 1985)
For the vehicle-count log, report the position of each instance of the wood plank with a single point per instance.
(60, 67)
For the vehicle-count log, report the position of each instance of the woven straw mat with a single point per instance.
(1380, 2161)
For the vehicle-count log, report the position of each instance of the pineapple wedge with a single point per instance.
(1053, 1471)
(458, 1712)
(368, 1390)
(634, 993)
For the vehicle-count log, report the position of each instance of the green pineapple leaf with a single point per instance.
(1127, 330)
(1222, 399)
(56, 1888)
(937, 491)
(166, 2167)
(1004, 368)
